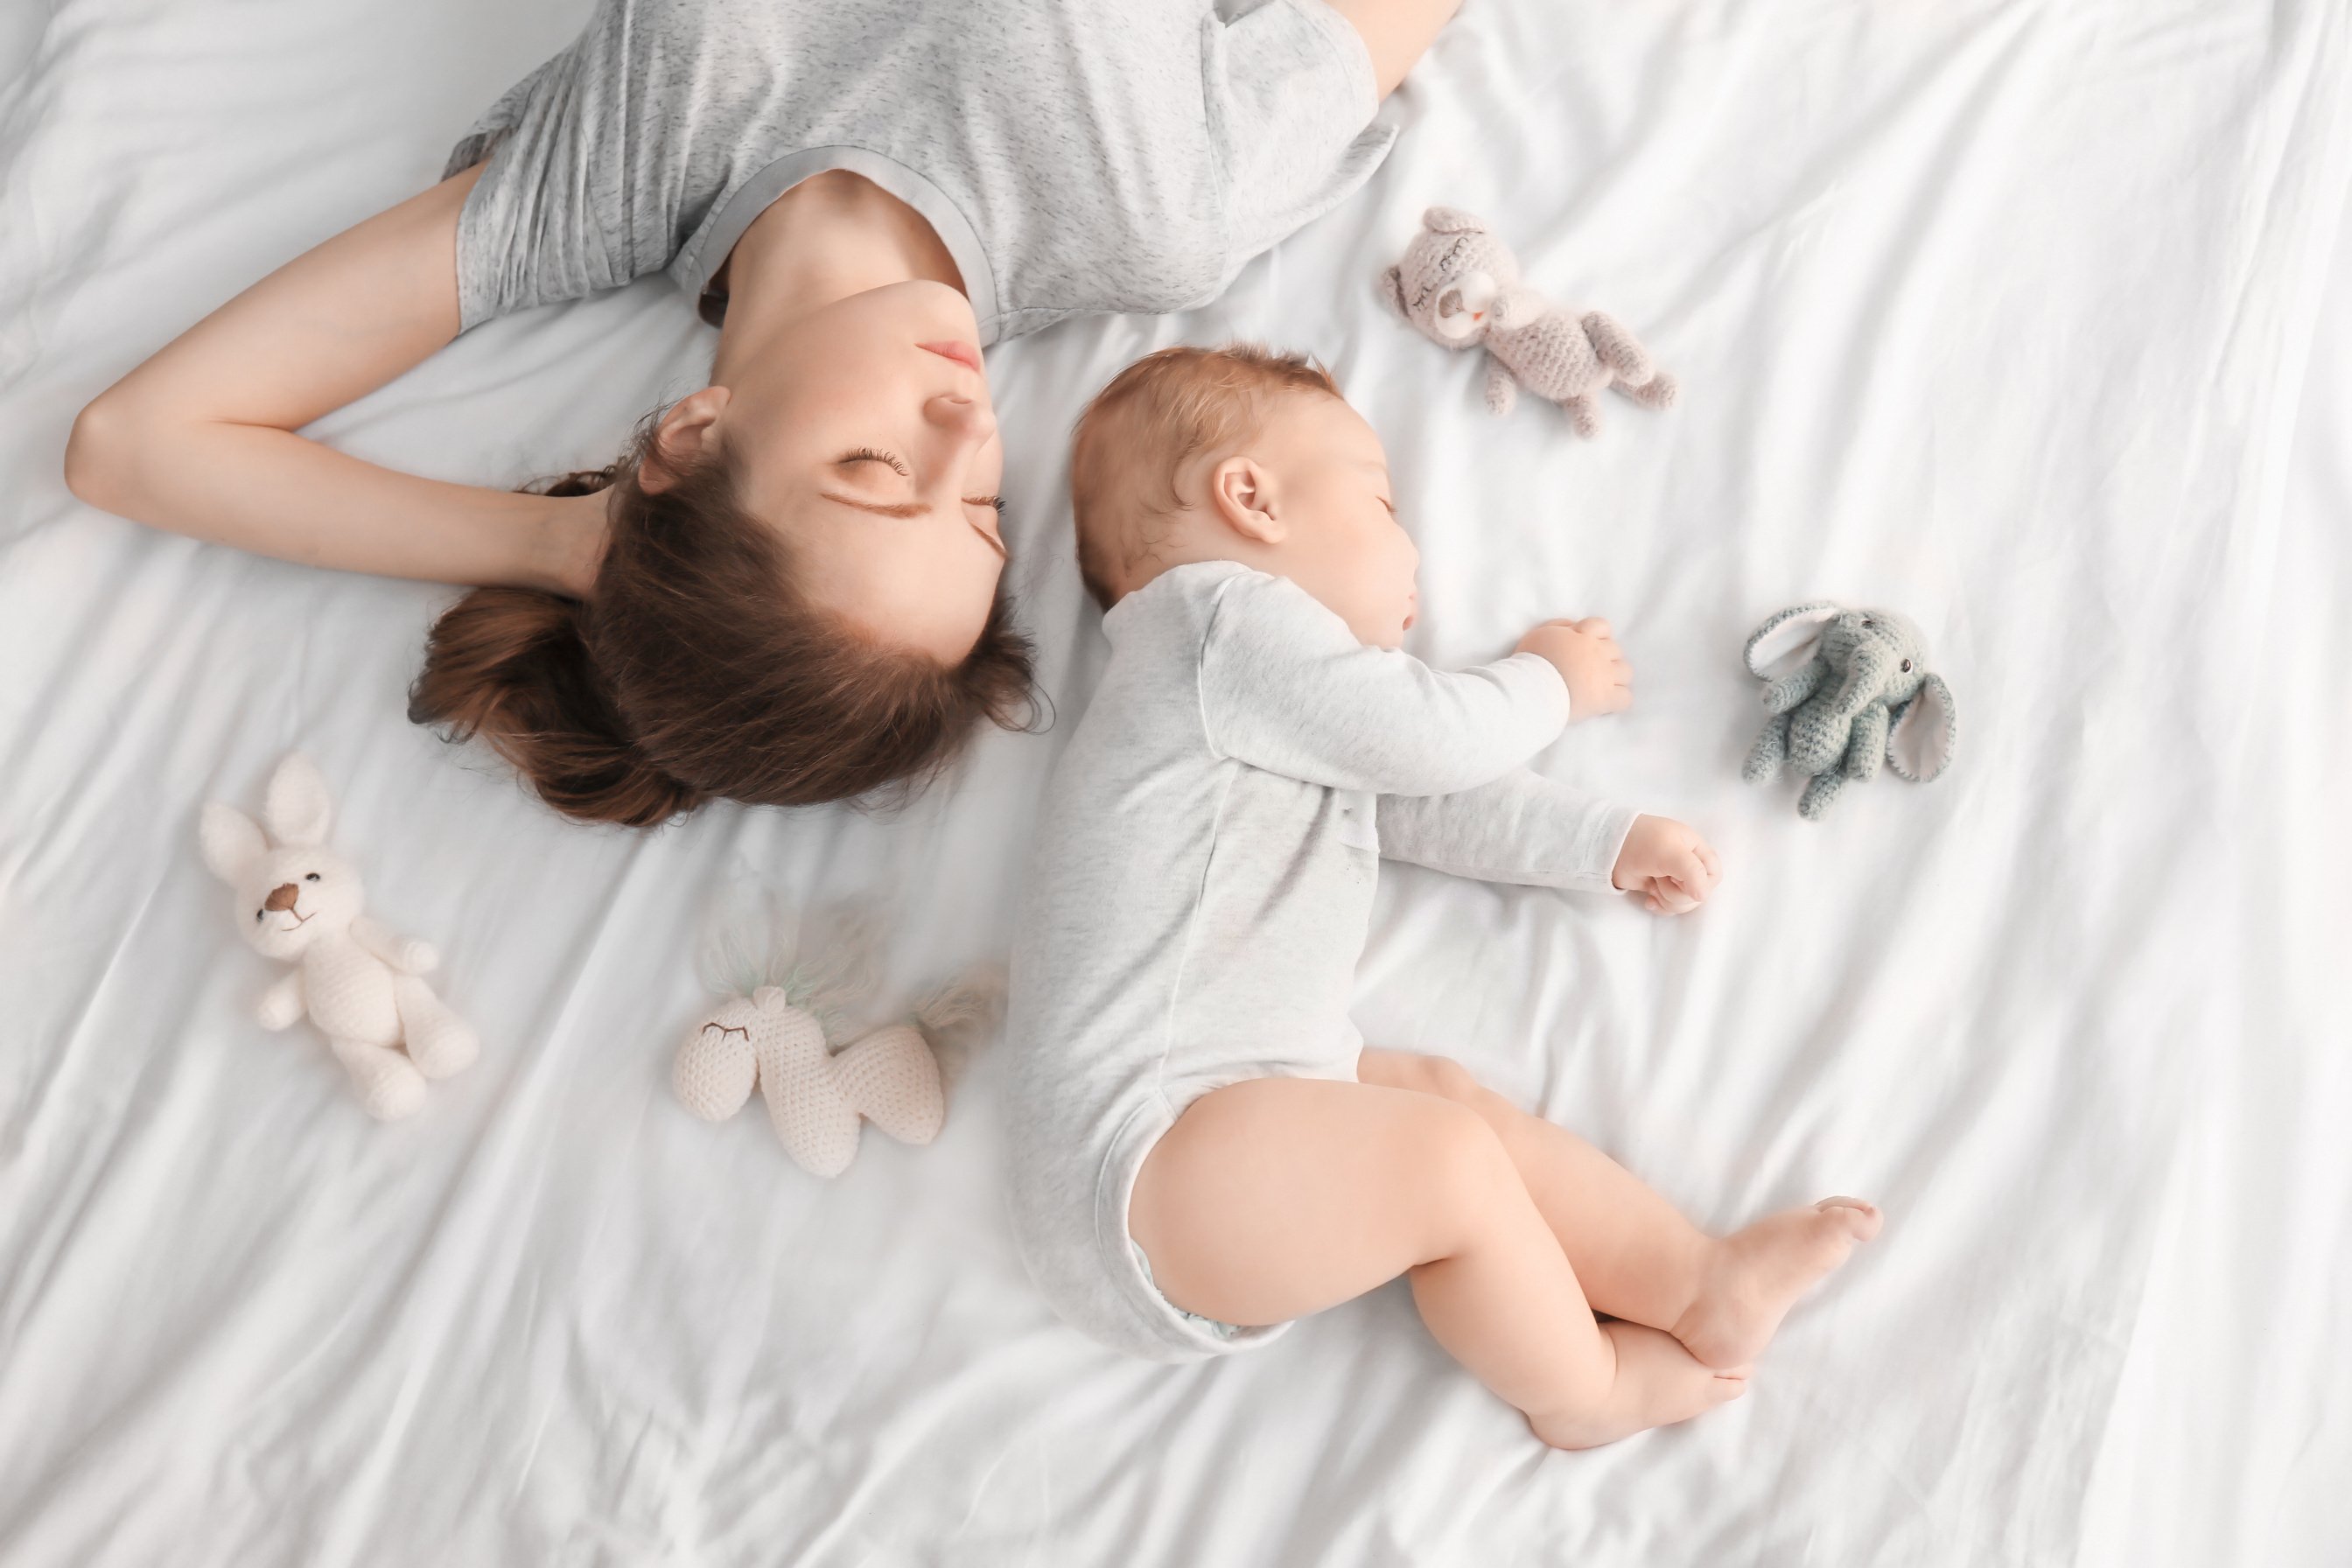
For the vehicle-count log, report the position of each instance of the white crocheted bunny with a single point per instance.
(1460, 284)
(358, 981)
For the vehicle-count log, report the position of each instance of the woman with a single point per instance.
(787, 590)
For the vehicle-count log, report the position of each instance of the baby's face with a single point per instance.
(1331, 499)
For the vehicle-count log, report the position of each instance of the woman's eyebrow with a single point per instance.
(883, 508)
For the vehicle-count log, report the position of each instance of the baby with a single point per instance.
(1205, 1149)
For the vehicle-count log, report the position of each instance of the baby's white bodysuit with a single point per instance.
(1202, 880)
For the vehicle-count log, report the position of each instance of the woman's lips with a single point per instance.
(964, 353)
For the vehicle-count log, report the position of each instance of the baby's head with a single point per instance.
(1240, 454)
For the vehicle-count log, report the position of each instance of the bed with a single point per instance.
(2025, 316)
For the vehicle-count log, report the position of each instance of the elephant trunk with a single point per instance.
(1865, 679)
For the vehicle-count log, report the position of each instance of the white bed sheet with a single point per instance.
(1994, 312)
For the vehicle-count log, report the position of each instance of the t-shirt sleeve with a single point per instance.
(1521, 827)
(539, 224)
(1286, 687)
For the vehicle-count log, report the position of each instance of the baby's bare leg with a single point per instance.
(1637, 1256)
(1275, 1198)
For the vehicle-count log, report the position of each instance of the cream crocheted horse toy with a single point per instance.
(358, 981)
(1460, 284)
(775, 1038)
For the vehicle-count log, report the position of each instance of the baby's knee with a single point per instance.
(1440, 1076)
(1466, 1173)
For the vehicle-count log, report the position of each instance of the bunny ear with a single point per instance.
(1450, 220)
(1919, 743)
(297, 809)
(1786, 641)
(230, 840)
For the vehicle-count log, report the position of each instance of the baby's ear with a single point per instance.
(297, 807)
(1242, 493)
(230, 840)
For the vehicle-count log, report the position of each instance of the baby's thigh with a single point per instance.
(1275, 1198)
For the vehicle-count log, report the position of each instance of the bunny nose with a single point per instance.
(281, 897)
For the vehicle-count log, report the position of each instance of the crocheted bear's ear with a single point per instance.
(1920, 742)
(1450, 220)
(1785, 642)
(768, 998)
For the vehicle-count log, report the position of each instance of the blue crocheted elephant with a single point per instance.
(1845, 688)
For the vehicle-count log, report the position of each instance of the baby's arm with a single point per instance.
(1286, 687)
(1521, 827)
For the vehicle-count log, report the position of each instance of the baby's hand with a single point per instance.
(1587, 657)
(1668, 864)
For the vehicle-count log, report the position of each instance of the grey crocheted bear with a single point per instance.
(1460, 284)
(1844, 688)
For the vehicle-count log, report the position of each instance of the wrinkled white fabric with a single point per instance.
(1994, 312)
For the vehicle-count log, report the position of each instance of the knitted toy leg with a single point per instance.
(1820, 795)
(891, 1078)
(1618, 349)
(1584, 413)
(1659, 392)
(439, 1042)
(389, 1084)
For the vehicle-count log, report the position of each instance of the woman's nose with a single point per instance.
(967, 419)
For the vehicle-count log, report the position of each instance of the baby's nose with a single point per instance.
(281, 897)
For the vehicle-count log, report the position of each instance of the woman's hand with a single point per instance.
(1586, 656)
(1668, 864)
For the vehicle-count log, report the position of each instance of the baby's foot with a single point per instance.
(1757, 1275)
(1658, 1384)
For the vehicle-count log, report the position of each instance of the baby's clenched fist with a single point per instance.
(1587, 657)
(1667, 865)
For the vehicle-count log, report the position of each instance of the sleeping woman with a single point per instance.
(789, 588)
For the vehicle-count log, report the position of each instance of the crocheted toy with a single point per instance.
(1845, 688)
(1460, 284)
(298, 901)
(774, 1037)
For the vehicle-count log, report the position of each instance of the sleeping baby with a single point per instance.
(1205, 1149)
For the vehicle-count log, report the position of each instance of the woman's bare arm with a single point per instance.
(1396, 32)
(200, 439)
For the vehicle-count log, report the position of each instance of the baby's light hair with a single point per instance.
(1140, 431)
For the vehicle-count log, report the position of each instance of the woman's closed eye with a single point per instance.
(868, 455)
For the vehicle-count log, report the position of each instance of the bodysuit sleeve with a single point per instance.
(1286, 687)
(1521, 827)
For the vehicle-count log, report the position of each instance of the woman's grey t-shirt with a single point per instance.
(1074, 155)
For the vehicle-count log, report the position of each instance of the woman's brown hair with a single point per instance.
(695, 669)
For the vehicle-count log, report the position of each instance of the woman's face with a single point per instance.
(864, 433)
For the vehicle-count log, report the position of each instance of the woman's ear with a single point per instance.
(1242, 492)
(683, 437)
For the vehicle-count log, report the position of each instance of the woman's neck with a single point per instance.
(832, 236)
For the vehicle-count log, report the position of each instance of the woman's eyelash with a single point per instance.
(868, 455)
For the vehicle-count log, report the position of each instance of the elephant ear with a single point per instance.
(1786, 642)
(1919, 741)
